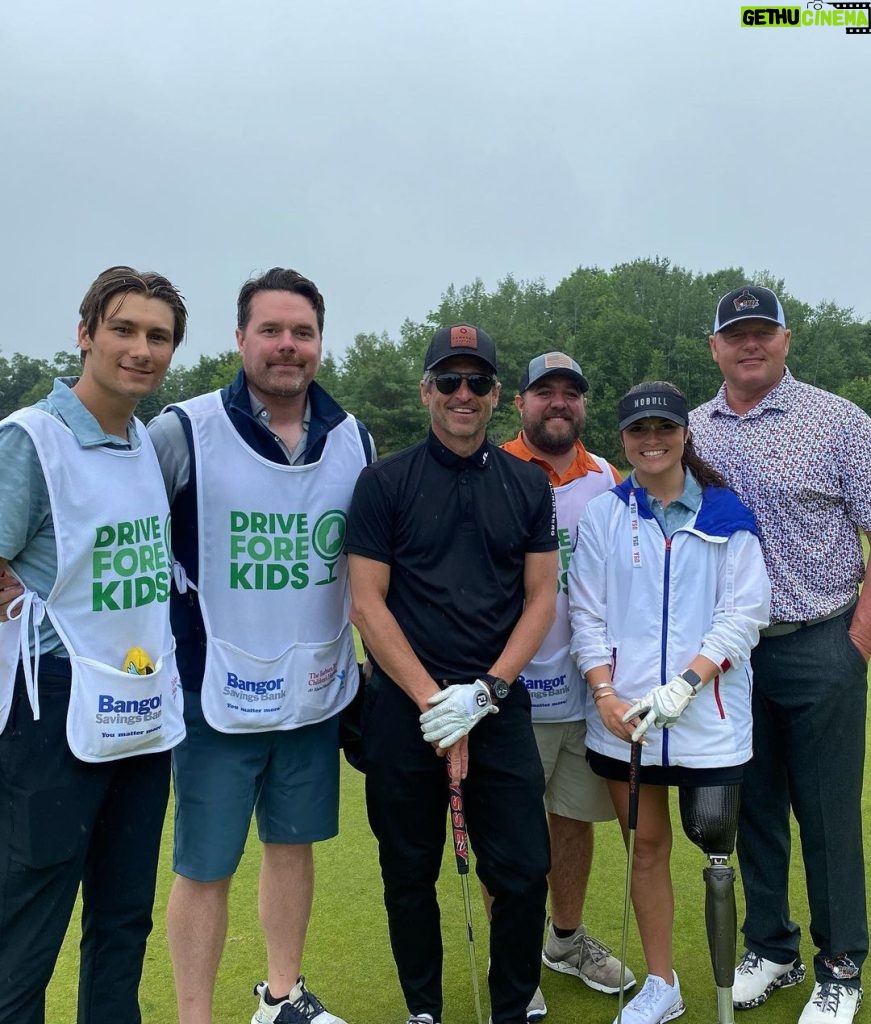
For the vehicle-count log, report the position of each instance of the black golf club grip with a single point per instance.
(458, 828)
(634, 782)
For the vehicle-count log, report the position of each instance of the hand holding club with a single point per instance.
(454, 712)
(662, 706)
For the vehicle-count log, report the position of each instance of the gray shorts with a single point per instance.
(573, 789)
(290, 778)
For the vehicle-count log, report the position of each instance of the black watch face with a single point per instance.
(500, 688)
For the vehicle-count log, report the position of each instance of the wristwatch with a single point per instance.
(498, 686)
(693, 678)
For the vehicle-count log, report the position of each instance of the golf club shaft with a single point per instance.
(461, 853)
(631, 826)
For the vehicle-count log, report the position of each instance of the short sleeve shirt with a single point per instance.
(801, 460)
(455, 532)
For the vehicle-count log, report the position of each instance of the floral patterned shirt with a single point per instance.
(801, 460)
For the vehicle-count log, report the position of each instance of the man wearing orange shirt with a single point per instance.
(552, 407)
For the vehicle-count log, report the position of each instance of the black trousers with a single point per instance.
(64, 823)
(809, 707)
(407, 800)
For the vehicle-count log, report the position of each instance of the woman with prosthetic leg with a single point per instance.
(668, 592)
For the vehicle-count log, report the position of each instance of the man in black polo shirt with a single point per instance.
(452, 546)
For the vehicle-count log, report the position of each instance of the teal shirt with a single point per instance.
(27, 539)
(679, 512)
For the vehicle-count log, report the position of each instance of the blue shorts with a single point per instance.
(290, 778)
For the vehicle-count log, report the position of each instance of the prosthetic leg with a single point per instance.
(709, 816)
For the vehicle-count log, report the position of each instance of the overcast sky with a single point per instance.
(389, 149)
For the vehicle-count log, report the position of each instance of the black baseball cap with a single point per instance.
(460, 340)
(551, 364)
(748, 301)
(652, 400)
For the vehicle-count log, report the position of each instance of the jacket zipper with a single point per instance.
(664, 648)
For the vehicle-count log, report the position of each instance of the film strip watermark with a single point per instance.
(854, 18)
(856, 29)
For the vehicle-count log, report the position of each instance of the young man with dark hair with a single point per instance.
(452, 547)
(259, 477)
(89, 696)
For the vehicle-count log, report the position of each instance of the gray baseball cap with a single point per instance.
(553, 363)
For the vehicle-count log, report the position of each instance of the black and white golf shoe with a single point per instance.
(756, 978)
(831, 1003)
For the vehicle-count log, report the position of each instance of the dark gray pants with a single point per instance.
(809, 708)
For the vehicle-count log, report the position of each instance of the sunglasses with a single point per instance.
(480, 384)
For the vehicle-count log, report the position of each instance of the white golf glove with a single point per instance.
(661, 707)
(455, 710)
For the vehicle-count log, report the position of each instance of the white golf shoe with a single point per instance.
(656, 1003)
(831, 1003)
(756, 978)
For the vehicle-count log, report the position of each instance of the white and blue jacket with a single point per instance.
(647, 605)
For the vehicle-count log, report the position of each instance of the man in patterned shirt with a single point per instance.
(799, 457)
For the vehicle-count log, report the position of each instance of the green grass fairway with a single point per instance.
(348, 961)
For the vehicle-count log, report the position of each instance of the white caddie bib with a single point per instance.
(273, 581)
(552, 678)
(111, 522)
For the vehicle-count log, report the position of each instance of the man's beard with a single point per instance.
(550, 443)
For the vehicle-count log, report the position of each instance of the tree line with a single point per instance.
(644, 320)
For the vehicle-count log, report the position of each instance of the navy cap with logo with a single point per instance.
(460, 340)
(749, 301)
(552, 364)
(652, 400)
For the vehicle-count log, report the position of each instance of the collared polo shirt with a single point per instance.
(801, 460)
(676, 513)
(583, 462)
(455, 532)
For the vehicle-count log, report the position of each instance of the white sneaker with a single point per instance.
(300, 1007)
(420, 1018)
(756, 978)
(656, 1003)
(587, 958)
(831, 1003)
(537, 1009)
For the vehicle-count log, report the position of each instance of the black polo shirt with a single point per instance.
(455, 532)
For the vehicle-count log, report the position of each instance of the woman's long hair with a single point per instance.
(704, 473)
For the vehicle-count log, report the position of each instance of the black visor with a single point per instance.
(639, 405)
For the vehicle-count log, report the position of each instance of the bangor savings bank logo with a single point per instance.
(854, 18)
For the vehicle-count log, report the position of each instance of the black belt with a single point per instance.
(785, 628)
